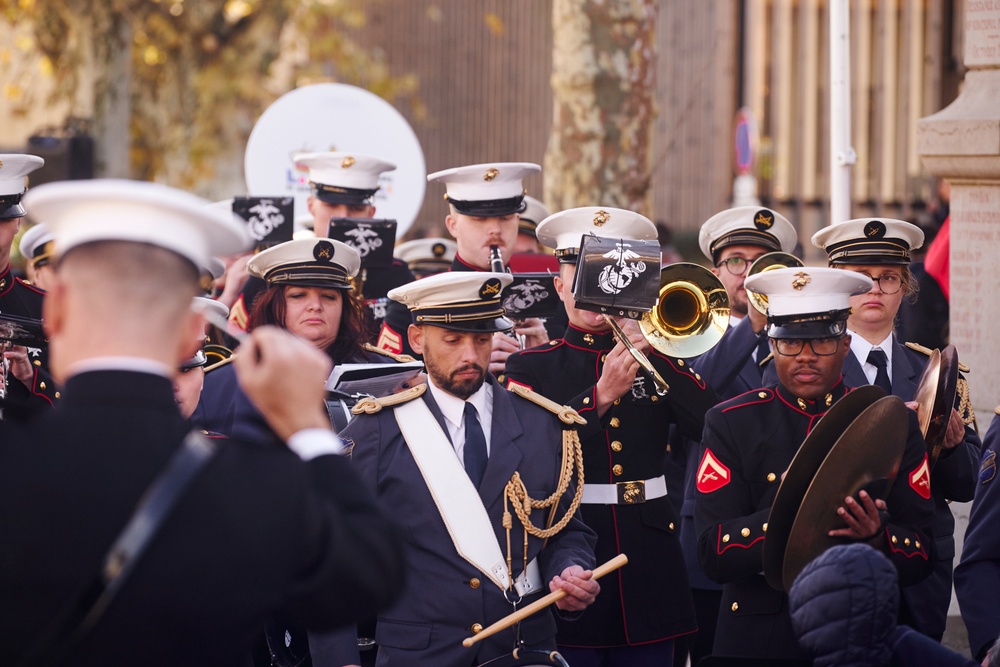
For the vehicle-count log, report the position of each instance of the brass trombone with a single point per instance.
(690, 316)
(772, 260)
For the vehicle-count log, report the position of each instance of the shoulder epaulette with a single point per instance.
(917, 347)
(748, 398)
(220, 364)
(401, 358)
(370, 406)
(566, 414)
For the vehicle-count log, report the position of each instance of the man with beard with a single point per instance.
(441, 455)
(484, 206)
(749, 442)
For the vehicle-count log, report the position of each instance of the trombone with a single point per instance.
(772, 260)
(689, 318)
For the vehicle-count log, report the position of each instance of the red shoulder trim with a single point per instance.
(750, 398)
(33, 288)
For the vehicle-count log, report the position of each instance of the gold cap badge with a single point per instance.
(601, 217)
(347, 162)
(801, 280)
(491, 173)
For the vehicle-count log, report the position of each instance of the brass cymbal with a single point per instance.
(801, 471)
(927, 391)
(938, 413)
(867, 456)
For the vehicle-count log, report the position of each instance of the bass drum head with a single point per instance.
(525, 658)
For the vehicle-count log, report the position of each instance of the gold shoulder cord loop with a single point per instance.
(517, 495)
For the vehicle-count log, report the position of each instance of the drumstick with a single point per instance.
(537, 605)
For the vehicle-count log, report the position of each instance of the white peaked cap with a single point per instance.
(80, 212)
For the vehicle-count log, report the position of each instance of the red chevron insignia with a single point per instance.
(920, 479)
(712, 474)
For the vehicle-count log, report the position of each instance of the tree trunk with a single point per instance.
(603, 80)
(112, 57)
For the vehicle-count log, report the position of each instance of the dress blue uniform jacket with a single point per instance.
(649, 600)
(730, 370)
(953, 478)
(445, 595)
(224, 408)
(24, 399)
(749, 441)
(258, 532)
(977, 577)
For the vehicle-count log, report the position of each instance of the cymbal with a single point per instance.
(937, 412)
(852, 465)
(801, 471)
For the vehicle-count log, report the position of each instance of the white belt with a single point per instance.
(625, 493)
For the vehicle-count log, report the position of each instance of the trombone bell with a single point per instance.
(772, 260)
(691, 314)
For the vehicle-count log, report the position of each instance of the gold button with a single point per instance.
(474, 583)
(917, 544)
(500, 378)
(745, 532)
(698, 377)
(586, 401)
(736, 606)
(57, 394)
(725, 538)
(41, 385)
(654, 398)
(764, 527)
(618, 401)
(771, 477)
(615, 422)
(762, 394)
(616, 445)
(617, 470)
(906, 542)
(553, 342)
(894, 540)
(670, 525)
(604, 356)
(680, 362)
(477, 628)
(37, 362)
(668, 449)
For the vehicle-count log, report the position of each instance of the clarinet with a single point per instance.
(496, 265)
(496, 260)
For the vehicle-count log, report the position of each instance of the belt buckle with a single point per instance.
(631, 493)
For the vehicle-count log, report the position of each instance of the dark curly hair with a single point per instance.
(269, 308)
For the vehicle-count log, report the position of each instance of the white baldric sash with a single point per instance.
(457, 500)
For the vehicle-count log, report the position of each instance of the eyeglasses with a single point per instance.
(889, 283)
(735, 265)
(821, 347)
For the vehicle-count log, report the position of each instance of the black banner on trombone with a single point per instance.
(531, 295)
(373, 239)
(269, 219)
(619, 277)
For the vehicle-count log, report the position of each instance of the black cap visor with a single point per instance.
(492, 208)
(818, 325)
(332, 194)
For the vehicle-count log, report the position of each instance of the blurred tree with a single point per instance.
(604, 81)
(176, 86)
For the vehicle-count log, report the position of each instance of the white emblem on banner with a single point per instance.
(616, 277)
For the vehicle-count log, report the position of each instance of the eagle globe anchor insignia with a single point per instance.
(616, 277)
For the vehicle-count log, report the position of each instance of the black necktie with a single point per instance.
(878, 359)
(763, 349)
(475, 446)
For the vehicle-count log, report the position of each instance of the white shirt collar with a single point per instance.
(453, 409)
(861, 347)
(135, 364)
